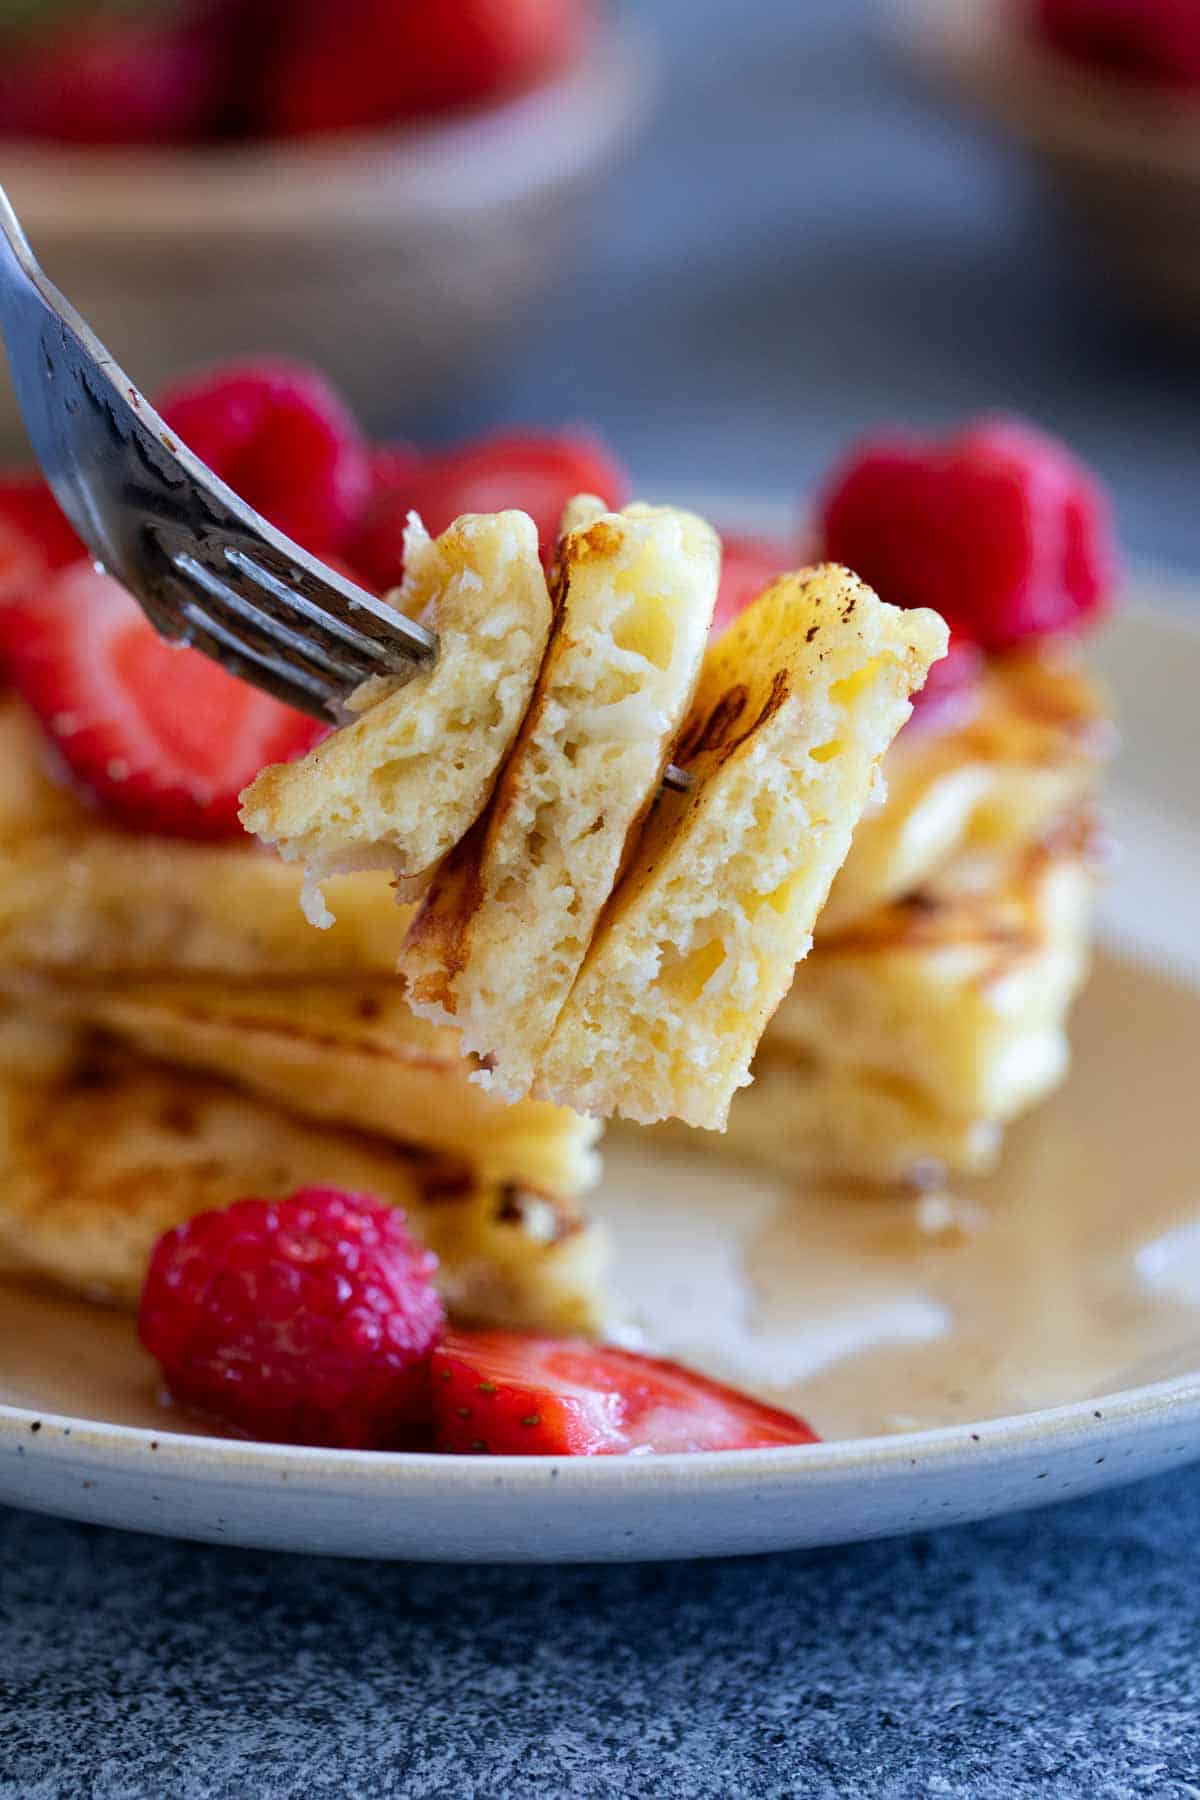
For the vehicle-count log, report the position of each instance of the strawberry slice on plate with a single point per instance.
(506, 1393)
(159, 736)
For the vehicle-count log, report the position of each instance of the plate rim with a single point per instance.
(888, 1456)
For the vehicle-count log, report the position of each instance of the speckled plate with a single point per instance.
(1026, 1337)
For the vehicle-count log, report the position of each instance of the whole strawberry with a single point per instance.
(113, 71)
(1155, 41)
(354, 64)
(308, 1320)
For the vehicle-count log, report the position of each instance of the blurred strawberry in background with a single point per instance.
(113, 72)
(1143, 40)
(368, 62)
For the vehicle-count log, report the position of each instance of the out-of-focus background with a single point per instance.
(729, 237)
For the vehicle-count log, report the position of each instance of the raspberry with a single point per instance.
(283, 439)
(999, 529)
(308, 1320)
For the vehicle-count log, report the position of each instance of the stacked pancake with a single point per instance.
(179, 1035)
(933, 1009)
(570, 938)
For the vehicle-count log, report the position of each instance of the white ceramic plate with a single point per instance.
(1034, 1335)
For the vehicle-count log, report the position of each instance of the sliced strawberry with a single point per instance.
(113, 73)
(535, 472)
(509, 1394)
(1000, 529)
(160, 737)
(748, 565)
(22, 568)
(360, 63)
(27, 504)
(283, 439)
(377, 547)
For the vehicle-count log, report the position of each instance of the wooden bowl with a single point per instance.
(1125, 157)
(399, 263)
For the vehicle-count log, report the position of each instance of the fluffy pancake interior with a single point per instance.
(797, 702)
(401, 784)
(509, 917)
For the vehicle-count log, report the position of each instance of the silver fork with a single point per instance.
(206, 568)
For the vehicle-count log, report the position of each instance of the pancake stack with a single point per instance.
(177, 1034)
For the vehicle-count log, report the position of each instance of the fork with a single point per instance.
(206, 569)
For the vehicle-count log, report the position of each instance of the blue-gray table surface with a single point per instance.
(805, 245)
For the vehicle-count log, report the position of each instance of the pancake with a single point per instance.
(904, 1047)
(80, 894)
(339, 1052)
(963, 992)
(1029, 751)
(797, 702)
(402, 783)
(805, 1119)
(507, 922)
(99, 1157)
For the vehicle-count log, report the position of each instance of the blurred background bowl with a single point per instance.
(398, 262)
(1123, 156)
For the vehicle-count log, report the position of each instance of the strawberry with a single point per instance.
(377, 547)
(112, 71)
(162, 738)
(282, 438)
(535, 472)
(362, 63)
(748, 565)
(21, 566)
(998, 528)
(1145, 40)
(509, 1394)
(29, 507)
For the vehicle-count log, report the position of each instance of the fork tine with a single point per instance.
(253, 625)
(297, 688)
(369, 647)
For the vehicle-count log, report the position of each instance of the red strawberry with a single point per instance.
(748, 565)
(283, 439)
(99, 72)
(362, 63)
(302, 1321)
(536, 472)
(160, 736)
(1145, 40)
(513, 1395)
(377, 547)
(27, 504)
(999, 528)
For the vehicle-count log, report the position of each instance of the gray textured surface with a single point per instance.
(1049, 1654)
(806, 246)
